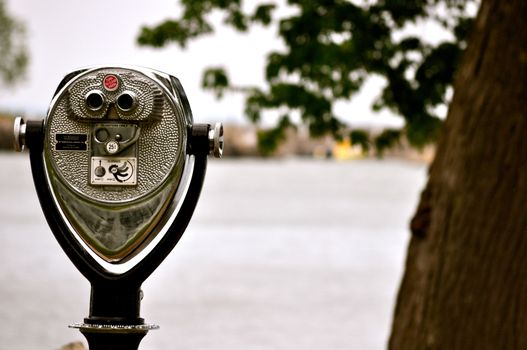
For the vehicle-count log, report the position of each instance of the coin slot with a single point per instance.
(102, 135)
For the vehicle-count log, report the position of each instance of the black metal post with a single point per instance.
(113, 340)
(115, 303)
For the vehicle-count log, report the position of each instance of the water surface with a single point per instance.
(281, 254)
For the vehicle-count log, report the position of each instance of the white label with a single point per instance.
(112, 147)
(113, 171)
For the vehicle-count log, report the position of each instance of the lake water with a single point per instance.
(280, 254)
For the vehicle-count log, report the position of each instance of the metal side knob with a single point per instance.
(19, 130)
(216, 140)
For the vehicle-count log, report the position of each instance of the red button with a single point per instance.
(110, 82)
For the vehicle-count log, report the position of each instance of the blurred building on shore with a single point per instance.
(6, 132)
(242, 141)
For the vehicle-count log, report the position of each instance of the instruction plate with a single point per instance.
(110, 171)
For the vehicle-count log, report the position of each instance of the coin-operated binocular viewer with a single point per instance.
(118, 166)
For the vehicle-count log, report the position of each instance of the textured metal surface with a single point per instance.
(149, 95)
(116, 219)
(160, 144)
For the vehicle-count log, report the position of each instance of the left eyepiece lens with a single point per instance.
(94, 100)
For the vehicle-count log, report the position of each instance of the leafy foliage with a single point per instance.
(387, 139)
(215, 79)
(332, 47)
(13, 52)
(269, 139)
(361, 138)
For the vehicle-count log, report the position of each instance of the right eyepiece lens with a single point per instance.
(125, 101)
(94, 100)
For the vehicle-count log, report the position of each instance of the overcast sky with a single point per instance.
(67, 34)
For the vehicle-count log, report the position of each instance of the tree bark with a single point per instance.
(465, 284)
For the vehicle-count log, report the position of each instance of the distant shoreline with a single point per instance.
(241, 142)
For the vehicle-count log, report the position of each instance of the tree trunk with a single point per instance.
(465, 284)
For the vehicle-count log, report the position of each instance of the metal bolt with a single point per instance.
(19, 130)
(216, 140)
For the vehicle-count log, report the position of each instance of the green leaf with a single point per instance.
(268, 140)
(263, 13)
(215, 79)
